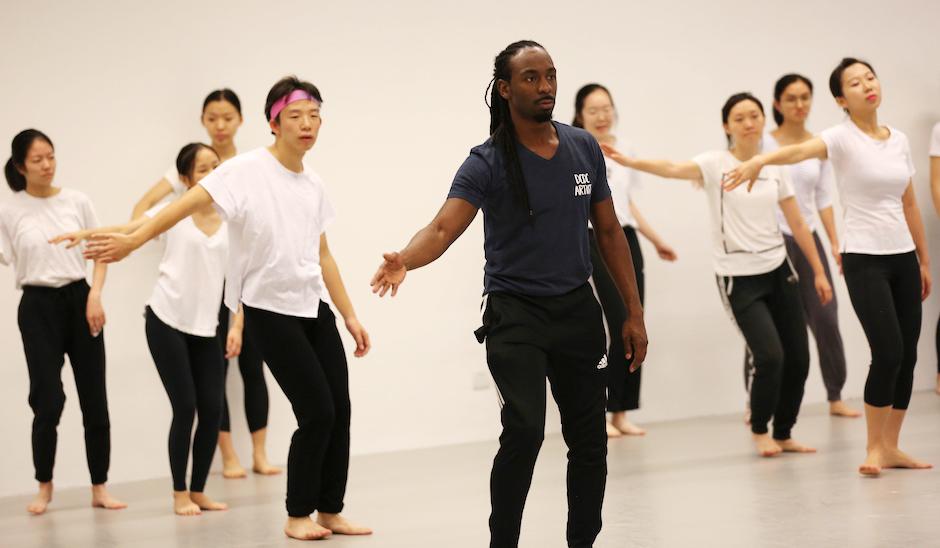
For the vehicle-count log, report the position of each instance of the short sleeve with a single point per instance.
(785, 189)
(832, 137)
(224, 195)
(6, 243)
(173, 177)
(325, 213)
(89, 218)
(935, 141)
(710, 167)
(600, 189)
(472, 180)
(824, 185)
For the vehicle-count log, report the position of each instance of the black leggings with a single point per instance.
(306, 357)
(623, 387)
(768, 311)
(885, 293)
(252, 369)
(191, 370)
(53, 323)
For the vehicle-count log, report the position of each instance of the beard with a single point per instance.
(543, 116)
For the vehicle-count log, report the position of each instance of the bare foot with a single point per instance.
(747, 416)
(305, 529)
(872, 465)
(41, 502)
(840, 409)
(100, 498)
(340, 525)
(628, 428)
(895, 458)
(183, 505)
(766, 446)
(265, 468)
(205, 503)
(793, 446)
(613, 432)
(232, 469)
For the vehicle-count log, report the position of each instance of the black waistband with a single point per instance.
(46, 289)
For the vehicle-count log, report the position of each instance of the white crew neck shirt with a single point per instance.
(812, 182)
(275, 219)
(623, 181)
(27, 223)
(746, 238)
(872, 176)
(192, 272)
(935, 141)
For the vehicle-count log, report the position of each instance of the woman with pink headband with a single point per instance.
(275, 207)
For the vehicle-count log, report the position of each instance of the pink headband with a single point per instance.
(292, 97)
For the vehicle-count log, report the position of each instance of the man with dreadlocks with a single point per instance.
(537, 182)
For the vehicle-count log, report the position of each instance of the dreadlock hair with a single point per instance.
(502, 130)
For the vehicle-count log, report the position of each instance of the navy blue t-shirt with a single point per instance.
(547, 254)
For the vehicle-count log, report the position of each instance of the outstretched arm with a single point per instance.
(334, 284)
(157, 192)
(663, 168)
(916, 225)
(748, 171)
(615, 251)
(75, 238)
(425, 247)
(804, 239)
(113, 247)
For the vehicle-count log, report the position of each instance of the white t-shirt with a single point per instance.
(812, 182)
(872, 176)
(746, 238)
(275, 219)
(26, 225)
(623, 182)
(192, 271)
(935, 141)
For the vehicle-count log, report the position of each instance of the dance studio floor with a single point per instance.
(688, 483)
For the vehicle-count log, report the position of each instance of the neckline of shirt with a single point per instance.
(557, 150)
(877, 142)
(281, 167)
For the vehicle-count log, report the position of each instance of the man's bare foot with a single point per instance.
(766, 446)
(42, 499)
(613, 432)
(183, 505)
(840, 409)
(232, 469)
(305, 529)
(340, 525)
(205, 503)
(895, 458)
(265, 468)
(100, 498)
(793, 446)
(625, 426)
(873, 462)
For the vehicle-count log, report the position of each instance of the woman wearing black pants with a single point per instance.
(277, 213)
(884, 251)
(754, 276)
(181, 322)
(595, 112)
(58, 314)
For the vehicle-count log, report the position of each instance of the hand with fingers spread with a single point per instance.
(747, 172)
(94, 313)
(634, 341)
(73, 238)
(360, 335)
(109, 247)
(615, 155)
(390, 275)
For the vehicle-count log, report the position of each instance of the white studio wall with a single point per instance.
(118, 86)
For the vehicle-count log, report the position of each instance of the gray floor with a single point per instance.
(688, 483)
